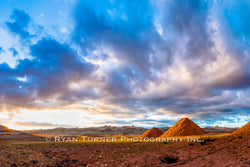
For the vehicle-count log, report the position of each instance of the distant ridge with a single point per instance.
(184, 127)
(153, 132)
(244, 130)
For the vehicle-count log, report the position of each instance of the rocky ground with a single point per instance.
(26, 149)
(224, 151)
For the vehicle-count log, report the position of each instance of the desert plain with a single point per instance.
(210, 149)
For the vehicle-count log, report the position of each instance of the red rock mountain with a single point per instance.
(154, 132)
(184, 127)
(244, 130)
(5, 129)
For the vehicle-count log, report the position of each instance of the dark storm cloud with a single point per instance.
(131, 36)
(118, 83)
(52, 67)
(189, 19)
(125, 80)
(19, 23)
(60, 65)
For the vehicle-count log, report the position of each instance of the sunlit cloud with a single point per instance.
(146, 63)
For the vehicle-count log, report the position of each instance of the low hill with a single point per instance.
(153, 132)
(5, 129)
(7, 134)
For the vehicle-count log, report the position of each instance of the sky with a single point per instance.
(147, 63)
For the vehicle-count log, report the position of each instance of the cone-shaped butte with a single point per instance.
(184, 127)
(244, 130)
(154, 132)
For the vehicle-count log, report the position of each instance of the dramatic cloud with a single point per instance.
(46, 76)
(131, 62)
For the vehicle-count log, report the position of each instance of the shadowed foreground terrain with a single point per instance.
(223, 151)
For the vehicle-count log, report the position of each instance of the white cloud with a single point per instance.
(64, 31)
